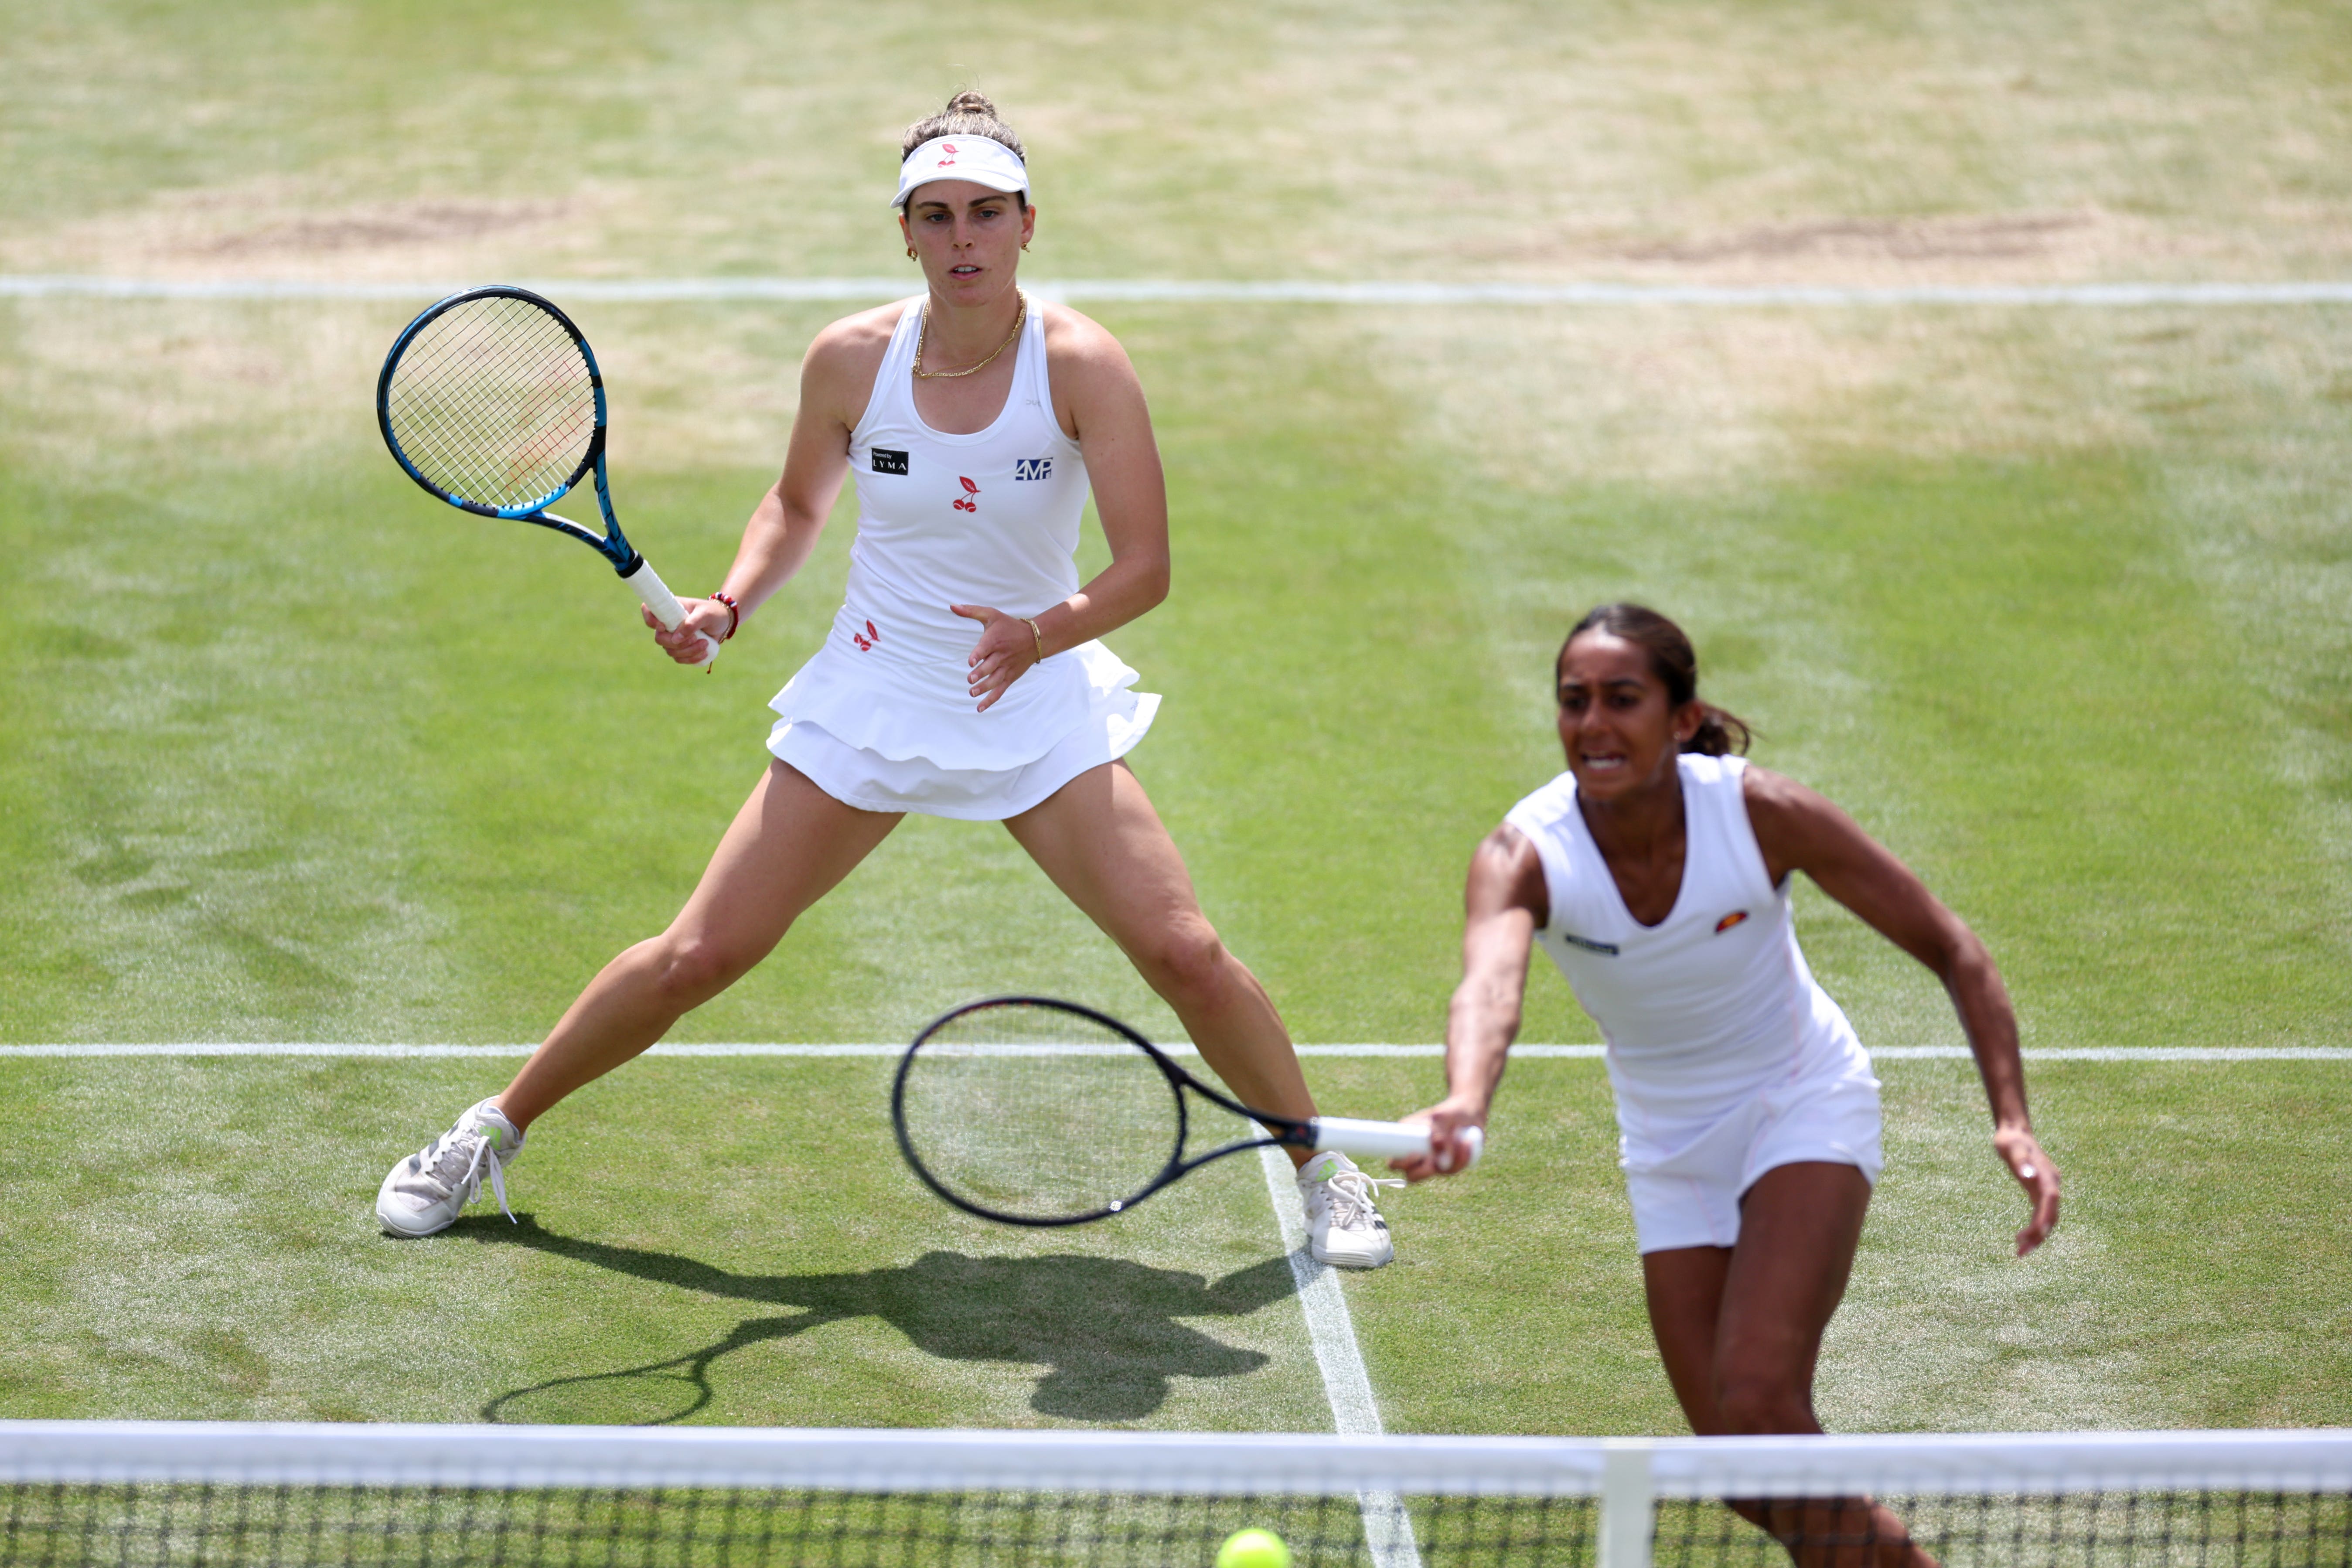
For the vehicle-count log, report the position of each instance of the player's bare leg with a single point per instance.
(1739, 1328)
(1102, 844)
(790, 845)
(1099, 840)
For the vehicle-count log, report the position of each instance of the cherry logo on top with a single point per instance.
(866, 644)
(970, 500)
(947, 154)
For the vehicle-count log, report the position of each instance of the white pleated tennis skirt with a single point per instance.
(1116, 722)
(1686, 1176)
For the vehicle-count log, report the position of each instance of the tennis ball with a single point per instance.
(1254, 1549)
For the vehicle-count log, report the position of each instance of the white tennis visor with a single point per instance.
(978, 159)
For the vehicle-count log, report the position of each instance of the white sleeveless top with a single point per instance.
(1715, 1003)
(991, 518)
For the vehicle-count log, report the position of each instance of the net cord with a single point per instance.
(1618, 1470)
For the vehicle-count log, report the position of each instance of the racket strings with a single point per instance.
(504, 394)
(502, 453)
(1032, 1113)
(505, 414)
(494, 402)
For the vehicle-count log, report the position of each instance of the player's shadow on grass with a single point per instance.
(1107, 1330)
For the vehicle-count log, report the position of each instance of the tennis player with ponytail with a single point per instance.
(962, 678)
(1654, 872)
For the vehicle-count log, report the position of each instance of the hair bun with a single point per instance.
(968, 113)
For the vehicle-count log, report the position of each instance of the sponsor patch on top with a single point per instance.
(889, 462)
(1033, 467)
(1727, 922)
(1606, 949)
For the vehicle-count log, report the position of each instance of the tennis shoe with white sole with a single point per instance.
(1344, 1228)
(426, 1192)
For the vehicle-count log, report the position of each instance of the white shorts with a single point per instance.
(872, 782)
(1691, 1197)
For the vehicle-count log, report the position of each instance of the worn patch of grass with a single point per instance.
(730, 1244)
(430, 138)
(736, 1242)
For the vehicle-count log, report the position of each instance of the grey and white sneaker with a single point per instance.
(428, 1190)
(1344, 1228)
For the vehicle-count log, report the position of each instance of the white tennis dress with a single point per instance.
(1726, 1058)
(882, 718)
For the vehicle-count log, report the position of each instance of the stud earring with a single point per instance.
(910, 253)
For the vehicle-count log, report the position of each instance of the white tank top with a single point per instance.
(991, 518)
(1714, 1004)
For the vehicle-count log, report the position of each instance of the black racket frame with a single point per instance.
(612, 545)
(1285, 1131)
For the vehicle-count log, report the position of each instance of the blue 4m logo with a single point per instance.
(1033, 467)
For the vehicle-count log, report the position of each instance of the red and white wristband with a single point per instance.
(734, 613)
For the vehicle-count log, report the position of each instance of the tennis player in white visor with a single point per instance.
(964, 676)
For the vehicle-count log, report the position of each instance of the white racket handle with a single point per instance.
(1385, 1140)
(646, 584)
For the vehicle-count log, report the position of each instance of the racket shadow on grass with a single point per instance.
(1108, 1331)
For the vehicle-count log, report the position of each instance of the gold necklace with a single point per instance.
(923, 336)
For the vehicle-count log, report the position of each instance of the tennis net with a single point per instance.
(219, 1493)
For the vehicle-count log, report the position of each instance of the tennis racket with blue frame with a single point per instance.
(1029, 1111)
(491, 401)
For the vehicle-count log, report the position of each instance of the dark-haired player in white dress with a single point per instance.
(1656, 873)
(964, 676)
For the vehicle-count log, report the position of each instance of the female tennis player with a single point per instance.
(962, 678)
(1656, 873)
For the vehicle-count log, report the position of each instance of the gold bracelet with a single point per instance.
(1035, 633)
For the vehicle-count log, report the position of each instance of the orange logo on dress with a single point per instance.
(1727, 922)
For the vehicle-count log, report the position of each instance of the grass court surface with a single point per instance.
(2051, 599)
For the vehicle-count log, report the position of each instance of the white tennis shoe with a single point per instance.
(428, 1190)
(1344, 1228)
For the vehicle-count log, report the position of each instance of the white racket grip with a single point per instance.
(646, 584)
(1385, 1140)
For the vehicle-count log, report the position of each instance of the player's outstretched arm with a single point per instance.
(1503, 905)
(1800, 830)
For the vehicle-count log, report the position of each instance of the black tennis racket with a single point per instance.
(1033, 1111)
(491, 400)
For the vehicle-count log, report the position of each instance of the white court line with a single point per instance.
(2133, 1053)
(1298, 291)
(1347, 1386)
(861, 1048)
